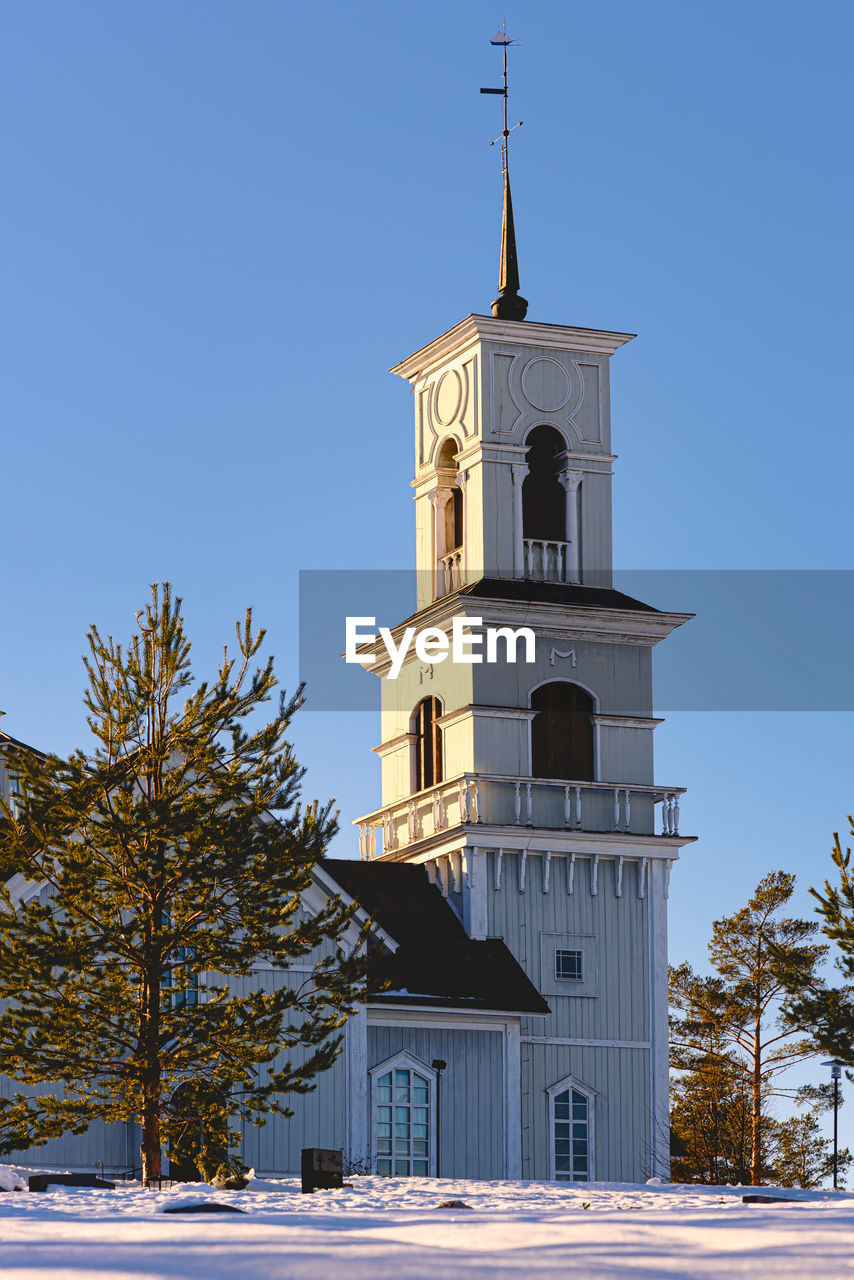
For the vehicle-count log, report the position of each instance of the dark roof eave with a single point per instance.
(472, 1006)
(6, 740)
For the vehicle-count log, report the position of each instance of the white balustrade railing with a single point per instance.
(522, 802)
(549, 561)
(450, 571)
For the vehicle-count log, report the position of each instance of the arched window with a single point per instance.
(428, 743)
(571, 1125)
(450, 528)
(453, 516)
(562, 732)
(446, 459)
(543, 495)
(404, 1118)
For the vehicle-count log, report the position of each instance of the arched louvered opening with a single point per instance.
(451, 522)
(428, 743)
(543, 495)
(562, 732)
(446, 458)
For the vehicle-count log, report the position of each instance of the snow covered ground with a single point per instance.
(387, 1229)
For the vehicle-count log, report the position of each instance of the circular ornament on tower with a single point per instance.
(546, 384)
(448, 398)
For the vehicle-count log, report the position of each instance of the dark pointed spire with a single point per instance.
(509, 305)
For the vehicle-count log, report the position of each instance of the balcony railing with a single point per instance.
(521, 802)
(450, 572)
(549, 561)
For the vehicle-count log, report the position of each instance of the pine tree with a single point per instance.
(829, 1011)
(802, 1157)
(757, 956)
(710, 1113)
(173, 858)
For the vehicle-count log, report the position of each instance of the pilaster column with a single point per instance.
(512, 1099)
(356, 1095)
(520, 470)
(474, 893)
(462, 485)
(439, 497)
(659, 1104)
(571, 480)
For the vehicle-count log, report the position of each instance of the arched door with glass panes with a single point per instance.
(402, 1128)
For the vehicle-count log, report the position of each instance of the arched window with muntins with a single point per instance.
(403, 1095)
(562, 732)
(572, 1124)
(543, 495)
(428, 743)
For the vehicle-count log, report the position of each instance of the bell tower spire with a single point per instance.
(509, 305)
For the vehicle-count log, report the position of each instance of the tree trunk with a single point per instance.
(150, 1145)
(756, 1107)
(149, 1048)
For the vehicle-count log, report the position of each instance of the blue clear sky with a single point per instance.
(223, 222)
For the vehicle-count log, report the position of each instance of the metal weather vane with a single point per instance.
(509, 305)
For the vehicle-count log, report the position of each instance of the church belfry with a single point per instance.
(522, 777)
(512, 454)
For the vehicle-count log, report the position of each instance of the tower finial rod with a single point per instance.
(509, 305)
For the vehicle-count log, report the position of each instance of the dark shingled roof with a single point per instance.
(436, 963)
(529, 591)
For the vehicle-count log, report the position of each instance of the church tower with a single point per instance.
(525, 784)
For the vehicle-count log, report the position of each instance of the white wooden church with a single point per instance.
(518, 866)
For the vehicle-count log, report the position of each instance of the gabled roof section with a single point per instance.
(6, 740)
(436, 962)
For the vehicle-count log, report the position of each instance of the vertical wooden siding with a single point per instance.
(621, 1009)
(471, 1112)
(117, 1145)
(619, 1012)
(621, 1108)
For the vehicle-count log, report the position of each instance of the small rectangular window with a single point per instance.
(15, 795)
(569, 966)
